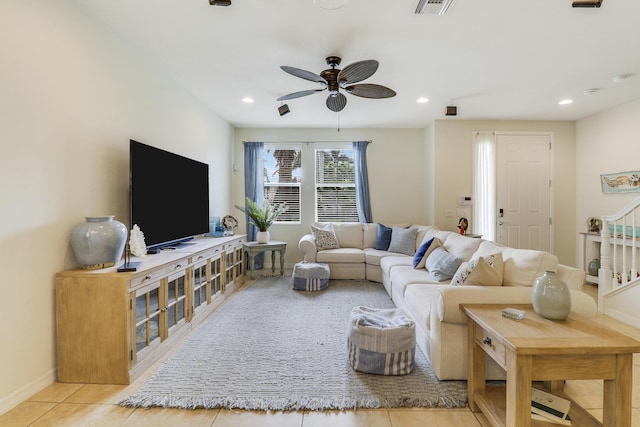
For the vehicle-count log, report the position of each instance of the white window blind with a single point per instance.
(282, 177)
(335, 186)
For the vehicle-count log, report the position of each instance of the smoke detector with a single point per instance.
(220, 2)
(621, 78)
(590, 92)
(432, 7)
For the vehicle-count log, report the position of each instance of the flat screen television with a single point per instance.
(169, 195)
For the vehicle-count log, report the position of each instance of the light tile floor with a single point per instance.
(95, 405)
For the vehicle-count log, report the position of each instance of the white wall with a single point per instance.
(397, 175)
(453, 172)
(607, 142)
(72, 97)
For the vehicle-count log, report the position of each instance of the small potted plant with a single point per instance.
(261, 216)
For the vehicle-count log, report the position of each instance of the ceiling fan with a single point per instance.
(335, 79)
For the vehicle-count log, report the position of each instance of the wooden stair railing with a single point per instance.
(620, 237)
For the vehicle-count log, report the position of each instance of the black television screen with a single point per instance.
(169, 195)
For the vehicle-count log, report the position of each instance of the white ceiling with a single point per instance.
(494, 59)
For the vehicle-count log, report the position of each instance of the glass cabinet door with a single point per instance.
(215, 276)
(147, 315)
(199, 286)
(176, 307)
(238, 259)
(228, 266)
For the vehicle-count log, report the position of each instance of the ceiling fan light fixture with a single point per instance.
(331, 4)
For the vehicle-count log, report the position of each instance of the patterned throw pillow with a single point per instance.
(403, 240)
(325, 237)
(483, 271)
(441, 264)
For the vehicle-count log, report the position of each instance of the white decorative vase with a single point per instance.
(551, 297)
(263, 237)
(98, 242)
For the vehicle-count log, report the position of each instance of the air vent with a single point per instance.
(432, 7)
(587, 3)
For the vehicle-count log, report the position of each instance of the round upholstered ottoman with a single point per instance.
(310, 276)
(381, 341)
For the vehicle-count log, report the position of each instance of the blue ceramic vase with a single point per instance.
(99, 241)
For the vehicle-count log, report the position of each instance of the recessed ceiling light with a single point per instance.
(422, 100)
(247, 100)
(566, 102)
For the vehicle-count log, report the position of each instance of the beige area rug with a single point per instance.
(272, 348)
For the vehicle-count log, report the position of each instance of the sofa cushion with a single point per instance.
(425, 232)
(488, 247)
(403, 240)
(325, 237)
(384, 237)
(442, 265)
(341, 256)
(461, 246)
(349, 234)
(374, 256)
(523, 266)
(388, 263)
(369, 235)
(423, 252)
(403, 275)
(483, 271)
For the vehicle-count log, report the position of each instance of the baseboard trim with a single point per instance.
(14, 399)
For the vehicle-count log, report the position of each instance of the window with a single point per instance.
(335, 186)
(282, 176)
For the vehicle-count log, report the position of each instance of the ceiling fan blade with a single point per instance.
(336, 102)
(370, 91)
(300, 94)
(303, 74)
(357, 71)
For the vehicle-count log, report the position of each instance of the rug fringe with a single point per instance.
(282, 404)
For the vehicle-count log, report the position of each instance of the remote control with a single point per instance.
(513, 313)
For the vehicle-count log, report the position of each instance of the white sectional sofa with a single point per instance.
(441, 327)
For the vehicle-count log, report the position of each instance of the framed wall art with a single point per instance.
(621, 182)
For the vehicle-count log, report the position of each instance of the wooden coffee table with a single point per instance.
(538, 349)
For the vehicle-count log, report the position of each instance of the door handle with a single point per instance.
(502, 222)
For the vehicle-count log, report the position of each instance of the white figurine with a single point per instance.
(137, 245)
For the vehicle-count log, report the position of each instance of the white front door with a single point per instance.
(524, 190)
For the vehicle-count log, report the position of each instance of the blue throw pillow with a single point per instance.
(384, 237)
(419, 259)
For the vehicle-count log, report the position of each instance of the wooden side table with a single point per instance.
(254, 248)
(538, 349)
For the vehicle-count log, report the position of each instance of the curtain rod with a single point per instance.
(306, 142)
